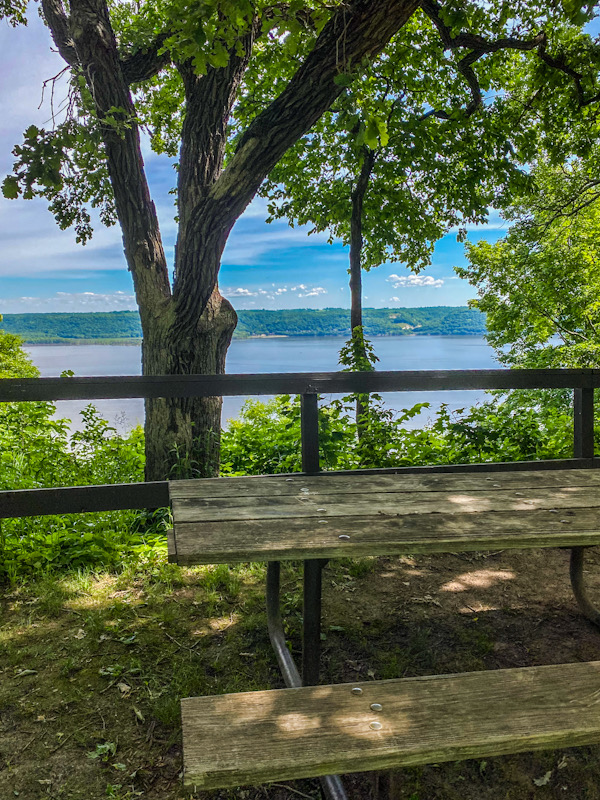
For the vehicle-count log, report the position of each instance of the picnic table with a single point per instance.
(309, 730)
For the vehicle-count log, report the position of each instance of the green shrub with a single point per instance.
(37, 452)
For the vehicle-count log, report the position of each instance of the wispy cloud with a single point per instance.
(274, 292)
(70, 302)
(494, 222)
(413, 281)
(248, 243)
(303, 290)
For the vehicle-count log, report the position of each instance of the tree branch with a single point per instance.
(356, 236)
(145, 64)
(479, 47)
(359, 29)
(209, 101)
(98, 57)
(560, 64)
(57, 20)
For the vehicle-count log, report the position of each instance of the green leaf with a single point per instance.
(10, 187)
(372, 134)
(344, 79)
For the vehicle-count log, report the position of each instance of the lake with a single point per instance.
(291, 354)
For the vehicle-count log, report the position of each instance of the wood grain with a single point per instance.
(171, 546)
(315, 504)
(241, 519)
(254, 737)
(264, 540)
(121, 386)
(268, 486)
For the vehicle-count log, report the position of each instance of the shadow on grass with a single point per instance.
(93, 666)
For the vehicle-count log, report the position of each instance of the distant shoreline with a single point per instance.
(259, 337)
(124, 327)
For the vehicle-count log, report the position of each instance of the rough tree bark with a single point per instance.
(187, 329)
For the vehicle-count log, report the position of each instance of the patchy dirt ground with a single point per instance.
(92, 667)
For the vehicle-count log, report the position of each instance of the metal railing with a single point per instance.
(68, 500)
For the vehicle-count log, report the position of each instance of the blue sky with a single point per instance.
(265, 266)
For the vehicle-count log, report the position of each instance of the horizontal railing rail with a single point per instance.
(128, 386)
(150, 495)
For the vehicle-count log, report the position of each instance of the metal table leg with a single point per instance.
(332, 786)
(585, 604)
(311, 627)
(288, 668)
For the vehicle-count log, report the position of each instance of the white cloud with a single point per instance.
(70, 301)
(239, 292)
(412, 281)
(33, 244)
(301, 290)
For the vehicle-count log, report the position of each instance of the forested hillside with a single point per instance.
(124, 326)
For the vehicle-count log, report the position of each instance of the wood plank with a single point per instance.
(264, 540)
(281, 734)
(268, 486)
(311, 505)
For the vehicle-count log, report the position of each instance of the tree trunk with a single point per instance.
(183, 434)
(356, 245)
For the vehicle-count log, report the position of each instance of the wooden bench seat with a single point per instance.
(281, 734)
(224, 520)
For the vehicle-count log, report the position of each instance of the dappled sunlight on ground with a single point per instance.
(478, 579)
(86, 662)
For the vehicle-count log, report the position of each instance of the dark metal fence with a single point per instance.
(33, 502)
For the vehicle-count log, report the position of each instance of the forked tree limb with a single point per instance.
(479, 47)
(357, 30)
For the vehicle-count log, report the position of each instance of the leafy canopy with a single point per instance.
(540, 284)
(450, 126)
(433, 171)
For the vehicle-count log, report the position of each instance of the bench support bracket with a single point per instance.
(579, 590)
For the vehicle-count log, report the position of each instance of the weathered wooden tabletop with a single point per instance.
(221, 520)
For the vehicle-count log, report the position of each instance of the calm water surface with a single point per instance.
(292, 354)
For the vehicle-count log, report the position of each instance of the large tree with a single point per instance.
(182, 69)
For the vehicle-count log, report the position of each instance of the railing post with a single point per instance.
(309, 430)
(583, 423)
(311, 628)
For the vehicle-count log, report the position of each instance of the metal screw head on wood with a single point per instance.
(344, 537)
(376, 726)
(356, 690)
(376, 707)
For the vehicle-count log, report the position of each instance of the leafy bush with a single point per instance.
(266, 436)
(265, 439)
(36, 452)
